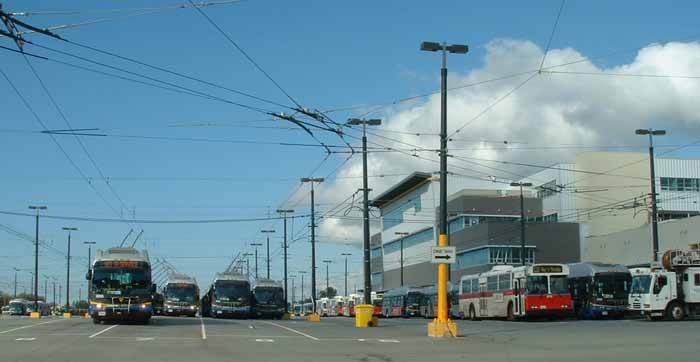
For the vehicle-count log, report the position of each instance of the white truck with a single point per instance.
(670, 291)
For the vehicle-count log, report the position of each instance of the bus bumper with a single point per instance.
(230, 312)
(121, 313)
(179, 310)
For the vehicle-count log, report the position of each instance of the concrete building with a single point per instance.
(484, 226)
(608, 192)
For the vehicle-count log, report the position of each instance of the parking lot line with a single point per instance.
(204, 331)
(30, 326)
(102, 331)
(292, 330)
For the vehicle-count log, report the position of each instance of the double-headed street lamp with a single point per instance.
(442, 326)
(284, 213)
(36, 254)
(267, 233)
(256, 257)
(522, 217)
(654, 211)
(313, 180)
(402, 234)
(69, 230)
(365, 206)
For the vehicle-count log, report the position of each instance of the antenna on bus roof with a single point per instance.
(126, 237)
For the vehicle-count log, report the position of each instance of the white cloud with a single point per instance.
(551, 109)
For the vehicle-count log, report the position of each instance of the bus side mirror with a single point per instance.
(88, 275)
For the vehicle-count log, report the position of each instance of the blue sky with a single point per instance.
(325, 54)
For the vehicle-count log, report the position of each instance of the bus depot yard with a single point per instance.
(336, 339)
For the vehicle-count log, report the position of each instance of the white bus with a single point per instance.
(514, 292)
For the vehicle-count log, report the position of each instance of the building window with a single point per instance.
(508, 255)
(376, 252)
(395, 216)
(409, 241)
(697, 279)
(680, 184)
(377, 279)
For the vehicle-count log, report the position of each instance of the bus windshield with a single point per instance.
(17, 307)
(232, 291)
(558, 284)
(413, 298)
(611, 285)
(181, 294)
(268, 295)
(641, 284)
(105, 279)
(537, 285)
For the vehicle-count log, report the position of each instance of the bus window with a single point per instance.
(492, 283)
(558, 284)
(537, 285)
(504, 282)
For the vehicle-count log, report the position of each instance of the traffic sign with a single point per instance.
(443, 254)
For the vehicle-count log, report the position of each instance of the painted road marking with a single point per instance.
(389, 340)
(292, 330)
(143, 339)
(264, 340)
(204, 331)
(25, 339)
(102, 331)
(361, 340)
(31, 325)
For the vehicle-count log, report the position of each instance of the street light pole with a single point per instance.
(301, 272)
(36, 255)
(69, 229)
(402, 235)
(267, 233)
(522, 218)
(328, 285)
(284, 213)
(256, 258)
(346, 271)
(247, 264)
(365, 207)
(313, 180)
(654, 210)
(442, 326)
(16, 270)
(89, 244)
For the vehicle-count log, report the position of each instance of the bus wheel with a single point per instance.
(675, 312)
(510, 316)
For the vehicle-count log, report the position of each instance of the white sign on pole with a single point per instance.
(443, 254)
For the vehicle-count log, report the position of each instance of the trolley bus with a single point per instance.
(428, 303)
(402, 302)
(120, 285)
(516, 292)
(268, 299)
(599, 290)
(181, 296)
(228, 296)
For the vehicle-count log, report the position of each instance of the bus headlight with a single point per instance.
(193, 307)
(98, 306)
(143, 306)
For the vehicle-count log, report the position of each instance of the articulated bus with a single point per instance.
(516, 292)
(228, 296)
(181, 296)
(268, 299)
(599, 290)
(428, 302)
(402, 302)
(120, 286)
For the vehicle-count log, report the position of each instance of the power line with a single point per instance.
(119, 10)
(551, 35)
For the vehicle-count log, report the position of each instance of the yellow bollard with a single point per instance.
(34, 315)
(286, 316)
(67, 315)
(87, 315)
(314, 317)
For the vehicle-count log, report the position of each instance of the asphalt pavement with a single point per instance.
(336, 339)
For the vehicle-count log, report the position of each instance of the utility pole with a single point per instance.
(522, 218)
(247, 264)
(54, 293)
(328, 285)
(365, 207)
(346, 271)
(16, 270)
(89, 244)
(46, 289)
(256, 258)
(69, 229)
(442, 326)
(293, 297)
(36, 255)
(654, 210)
(402, 235)
(267, 233)
(301, 272)
(284, 213)
(313, 238)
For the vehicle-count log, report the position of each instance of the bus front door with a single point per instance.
(519, 300)
(483, 301)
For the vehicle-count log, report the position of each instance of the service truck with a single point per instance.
(668, 291)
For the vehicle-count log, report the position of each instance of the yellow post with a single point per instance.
(442, 326)
(67, 315)
(34, 315)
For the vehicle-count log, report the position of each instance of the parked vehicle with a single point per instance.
(599, 290)
(180, 296)
(322, 307)
(17, 307)
(268, 299)
(402, 302)
(429, 301)
(228, 296)
(516, 292)
(671, 291)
